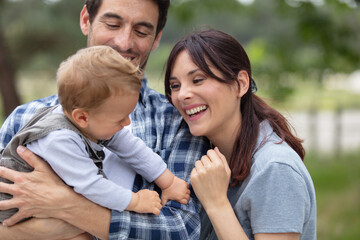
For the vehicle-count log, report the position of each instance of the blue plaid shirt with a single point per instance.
(159, 124)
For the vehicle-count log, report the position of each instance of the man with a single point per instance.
(133, 28)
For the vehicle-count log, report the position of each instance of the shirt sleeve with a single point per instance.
(7, 131)
(66, 154)
(176, 221)
(134, 151)
(277, 200)
(20, 116)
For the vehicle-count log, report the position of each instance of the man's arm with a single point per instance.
(39, 229)
(42, 194)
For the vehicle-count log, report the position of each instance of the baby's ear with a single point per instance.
(80, 117)
(243, 80)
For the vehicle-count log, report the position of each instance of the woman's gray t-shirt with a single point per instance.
(277, 197)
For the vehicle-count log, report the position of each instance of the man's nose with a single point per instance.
(124, 39)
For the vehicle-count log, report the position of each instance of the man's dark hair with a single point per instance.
(93, 6)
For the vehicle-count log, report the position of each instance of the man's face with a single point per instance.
(128, 26)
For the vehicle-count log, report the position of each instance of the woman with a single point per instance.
(271, 194)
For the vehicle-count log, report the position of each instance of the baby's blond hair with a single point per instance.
(92, 75)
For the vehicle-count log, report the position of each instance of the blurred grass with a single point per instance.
(337, 186)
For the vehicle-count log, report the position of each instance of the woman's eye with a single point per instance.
(198, 80)
(174, 87)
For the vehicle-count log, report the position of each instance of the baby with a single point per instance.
(97, 90)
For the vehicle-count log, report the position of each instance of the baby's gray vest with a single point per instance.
(41, 124)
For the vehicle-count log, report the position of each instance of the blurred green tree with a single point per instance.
(37, 34)
(287, 40)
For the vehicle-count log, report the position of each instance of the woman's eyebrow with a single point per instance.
(188, 74)
(193, 71)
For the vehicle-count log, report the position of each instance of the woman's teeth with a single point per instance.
(195, 110)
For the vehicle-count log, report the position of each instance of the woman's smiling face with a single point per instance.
(209, 106)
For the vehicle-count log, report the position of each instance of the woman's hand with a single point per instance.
(37, 193)
(210, 179)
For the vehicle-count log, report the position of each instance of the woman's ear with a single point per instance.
(243, 80)
(84, 21)
(80, 117)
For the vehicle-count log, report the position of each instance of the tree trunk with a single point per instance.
(10, 98)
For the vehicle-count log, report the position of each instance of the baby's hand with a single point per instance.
(145, 201)
(178, 191)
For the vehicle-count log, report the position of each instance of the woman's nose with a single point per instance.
(185, 92)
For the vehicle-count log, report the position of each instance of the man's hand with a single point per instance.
(38, 229)
(42, 194)
(35, 194)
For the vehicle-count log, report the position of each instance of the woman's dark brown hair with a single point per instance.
(228, 56)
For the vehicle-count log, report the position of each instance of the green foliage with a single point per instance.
(293, 37)
(40, 34)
